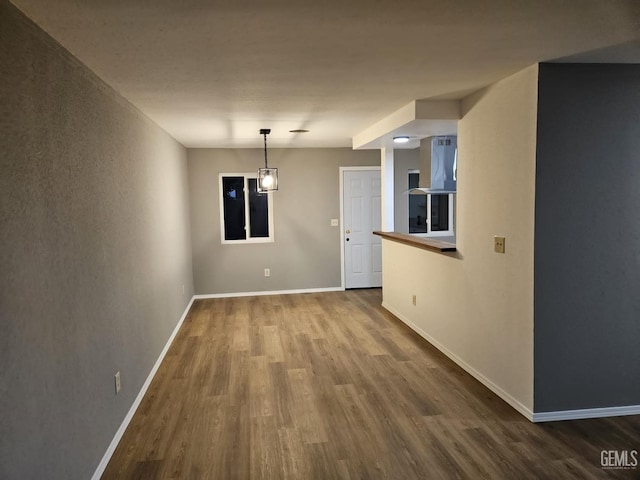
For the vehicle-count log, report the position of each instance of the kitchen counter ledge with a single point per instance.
(419, 242)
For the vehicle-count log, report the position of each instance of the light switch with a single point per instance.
(334, 222)
(498, 244)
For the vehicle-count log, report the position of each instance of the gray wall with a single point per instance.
(587, 242)
(94, 228)
(306, 251)
(403, 161)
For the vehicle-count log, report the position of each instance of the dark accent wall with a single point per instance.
(95, 250)
(587, 237)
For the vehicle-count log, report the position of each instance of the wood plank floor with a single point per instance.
(330, 385)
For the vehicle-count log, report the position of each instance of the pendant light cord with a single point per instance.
(265, 151)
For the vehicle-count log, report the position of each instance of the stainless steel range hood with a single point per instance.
(438, 162)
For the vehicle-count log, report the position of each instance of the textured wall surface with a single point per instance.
(478, 305)
(306, 251)
(94, 228)
(587, 247)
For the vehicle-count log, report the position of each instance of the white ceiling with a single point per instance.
(212, 73)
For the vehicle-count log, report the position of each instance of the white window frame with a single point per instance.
(438, 233)
(247, 226)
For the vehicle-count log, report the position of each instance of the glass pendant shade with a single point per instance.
(267, 179)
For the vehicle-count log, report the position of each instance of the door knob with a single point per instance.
(347, 231)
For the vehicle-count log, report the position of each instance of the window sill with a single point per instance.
(248, 241)
(424, 243)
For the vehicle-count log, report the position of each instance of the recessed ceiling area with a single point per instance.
(213, 73)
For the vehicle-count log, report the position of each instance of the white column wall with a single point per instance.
(477, 305)
(388, 195)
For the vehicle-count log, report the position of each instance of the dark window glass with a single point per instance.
(258, 211)
(417, 208)
(233, 188)
(439, 213)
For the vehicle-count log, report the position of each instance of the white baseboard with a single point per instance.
(516, 404)
(586, 413)
(274, 292)
(125, 423)
(536, 417)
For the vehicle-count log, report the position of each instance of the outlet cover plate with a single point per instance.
(498, 244)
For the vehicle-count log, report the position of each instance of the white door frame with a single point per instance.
(341, 182)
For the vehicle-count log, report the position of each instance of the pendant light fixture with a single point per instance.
(267, 177)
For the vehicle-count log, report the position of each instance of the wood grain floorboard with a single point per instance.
(332, 386)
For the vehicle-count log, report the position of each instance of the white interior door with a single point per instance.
(362, 215)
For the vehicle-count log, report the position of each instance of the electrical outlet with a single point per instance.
(413, 299)
(118, 385)
(334, 222)
(498, 244)
(267, 272)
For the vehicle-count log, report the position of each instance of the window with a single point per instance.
(246, 216)
(431, 214)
